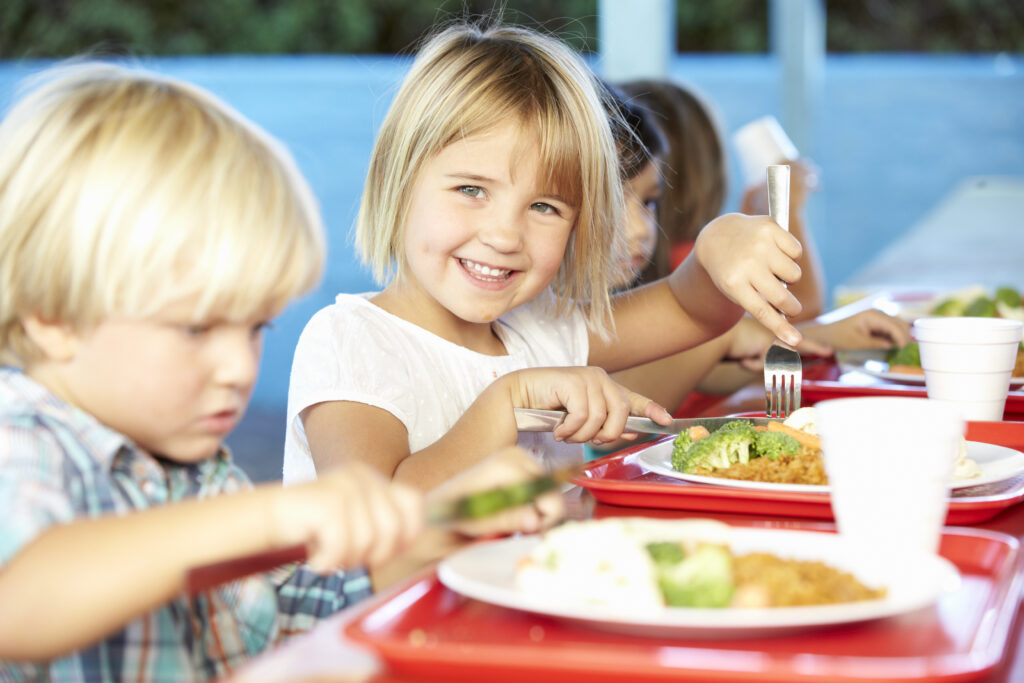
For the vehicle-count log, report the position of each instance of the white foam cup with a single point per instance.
(759, 144)
(889, 462)
(968, 362)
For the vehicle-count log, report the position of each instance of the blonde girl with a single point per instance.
(492, 213)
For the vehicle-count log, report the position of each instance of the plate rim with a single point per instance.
(846, 364)
(697, 621)
(644, 459)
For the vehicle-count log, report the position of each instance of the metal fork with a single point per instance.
(783, 371)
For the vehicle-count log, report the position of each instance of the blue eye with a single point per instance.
(471, 191)
(543, 207)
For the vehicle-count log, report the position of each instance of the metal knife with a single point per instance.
(535, 420)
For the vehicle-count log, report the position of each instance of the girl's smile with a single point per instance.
(483, 235)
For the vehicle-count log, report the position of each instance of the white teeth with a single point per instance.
(486, 271)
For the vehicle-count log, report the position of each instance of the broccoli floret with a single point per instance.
(740, 426)
(949, 307)
(1009, 296)
(702, 578)
(905, 355)
(773, 444)
(665, 552)
(720, 449)
(982, 307)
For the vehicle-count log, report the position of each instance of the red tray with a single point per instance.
(618, 479)
(824, 379)
(428, 632)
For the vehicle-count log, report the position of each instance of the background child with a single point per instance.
(148, 233)
(493, 198)
(695, 186)
(644, 152)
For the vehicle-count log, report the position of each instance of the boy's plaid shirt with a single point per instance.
(58, 465)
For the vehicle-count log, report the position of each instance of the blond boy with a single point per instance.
(148, 234)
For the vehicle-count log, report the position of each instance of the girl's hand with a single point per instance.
(803, 180)
(505, 467)
(597, 406)
(870, 329)
(749, 258)
(749, 340)
(350, 516)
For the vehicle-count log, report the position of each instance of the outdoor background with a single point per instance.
(917, 95)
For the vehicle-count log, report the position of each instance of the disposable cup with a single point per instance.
(968, 362)
(889, 462)
(760, 144)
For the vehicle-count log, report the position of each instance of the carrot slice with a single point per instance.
(698, 432)
(805, 439)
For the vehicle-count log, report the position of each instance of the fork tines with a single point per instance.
(782, 379)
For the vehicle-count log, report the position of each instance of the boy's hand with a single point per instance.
(596, 405)
(749, 258)
(349, 516)
(505, 467)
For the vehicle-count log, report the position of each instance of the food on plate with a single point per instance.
(1006, 302)
(643, 565)
(906, 360)
(786, 452)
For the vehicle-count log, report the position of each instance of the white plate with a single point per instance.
(486, 572)
(997, 463)
(872, 362)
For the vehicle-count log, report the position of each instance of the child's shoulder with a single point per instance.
(41, 424)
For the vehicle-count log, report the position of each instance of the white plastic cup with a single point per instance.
(968, 362)
(889, 462)
(760, 144)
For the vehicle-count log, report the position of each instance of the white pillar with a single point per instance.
(798, 41)
(636, 38)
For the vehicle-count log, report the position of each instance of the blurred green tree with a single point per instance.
(57, 28)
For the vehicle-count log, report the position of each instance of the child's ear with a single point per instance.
(56, 340)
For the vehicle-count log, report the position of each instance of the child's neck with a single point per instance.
(478, 337)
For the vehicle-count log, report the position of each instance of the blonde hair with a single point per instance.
(467, 79)
(122, 191)
(695, 170)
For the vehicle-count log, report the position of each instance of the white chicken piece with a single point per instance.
(964, 467)
(805, 419)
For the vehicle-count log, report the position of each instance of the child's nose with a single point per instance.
(503, 234)
(238, 360)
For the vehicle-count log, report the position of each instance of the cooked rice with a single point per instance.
(792, 583)
(804, 467)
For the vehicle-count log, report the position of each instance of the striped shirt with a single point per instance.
(59, 464)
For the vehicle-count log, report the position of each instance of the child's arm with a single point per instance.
(739, 262)
(870, 329)
(597, 410)
(78, 582)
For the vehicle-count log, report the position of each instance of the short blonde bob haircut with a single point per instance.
(467, 79)
(122, 191)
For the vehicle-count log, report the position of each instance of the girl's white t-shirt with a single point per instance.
(353, 350)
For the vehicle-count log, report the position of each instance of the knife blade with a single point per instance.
(477, 505)
(536, 420)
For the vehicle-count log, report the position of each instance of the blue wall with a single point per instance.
(893, 134)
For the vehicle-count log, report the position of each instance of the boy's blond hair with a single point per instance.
(467, 79)
(122, 191)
